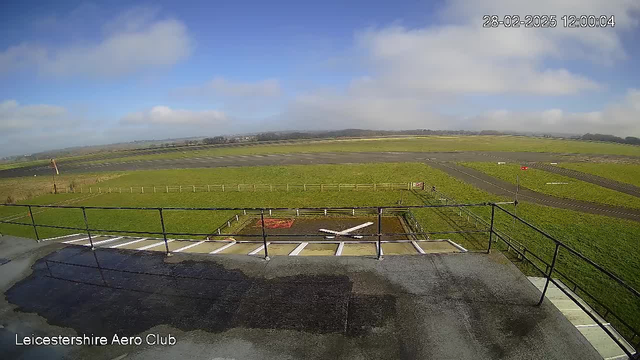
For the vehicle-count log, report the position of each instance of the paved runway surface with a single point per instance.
(457, 306)
(442, 161)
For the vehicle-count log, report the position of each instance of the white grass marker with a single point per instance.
(260, 248)
(339, 250)
(128, 243)
(222, 248)
(76, 240)
(106, 241)
(60, 237)
(557, 183)
(415, 245)
(189, 246)
(154, 245)
(298, 249)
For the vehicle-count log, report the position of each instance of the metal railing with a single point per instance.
(380, 211)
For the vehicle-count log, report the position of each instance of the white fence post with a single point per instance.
(167, 189)
(194, 188)
(269, 212)
(304, 187)
(244, 212)
(180, 188)
(325, 212)
(297, 212)
(154, 189)
(208, 188)
(131, 189)
(236, 217)
(142, 189)
(222, 187)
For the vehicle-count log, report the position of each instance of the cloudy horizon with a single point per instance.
(78, 73)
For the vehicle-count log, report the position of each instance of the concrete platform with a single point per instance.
(600, 340)
(467, 306)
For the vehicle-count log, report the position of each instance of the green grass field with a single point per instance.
(626, 173)
(610, 242)
(538, 180)
(406, 144)
(418, 144)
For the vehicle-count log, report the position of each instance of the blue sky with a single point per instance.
(80, 73)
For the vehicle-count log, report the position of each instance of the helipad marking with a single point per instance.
(189, 246)
(260, 248)
(154, 245)
(105, 241)
(128, 243)
(339, 250)
(60, 237)
(76, 240)
(297, 250)
(415, 245)
(222, 248)
(458, 246)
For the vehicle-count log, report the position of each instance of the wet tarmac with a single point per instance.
(111, 291)
(444, 306)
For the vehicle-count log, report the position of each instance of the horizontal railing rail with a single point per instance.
(379, 211)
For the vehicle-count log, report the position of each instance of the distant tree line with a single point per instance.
(611, 138)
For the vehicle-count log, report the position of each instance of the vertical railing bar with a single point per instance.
(164, 232)
(33, 222)
(264, 236)
(493, 211)
(86, 225)
(553, 264)
(379, 234)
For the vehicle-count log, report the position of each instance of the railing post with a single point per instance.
(493, 211)
(264, 236)
(33, 222)
(164, 232)
(86, 226)
(379, 234)
(553, 264)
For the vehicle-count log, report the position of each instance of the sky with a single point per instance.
(79, 73)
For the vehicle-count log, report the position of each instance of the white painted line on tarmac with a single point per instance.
(415, 245)
(592, 325)
(76, 240)
(298, 249)
(189, 246)
(128, 243)
(154, 245)
(258, 249)
(108, 240)
(222, 248)
(457, 246)
(60, 237)
(339, 250)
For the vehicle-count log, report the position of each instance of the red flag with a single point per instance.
(524, 168)
(53, 165)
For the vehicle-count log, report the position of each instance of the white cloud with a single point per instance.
(15, 117)
(165, 116)
(620, 118)
(134, 41)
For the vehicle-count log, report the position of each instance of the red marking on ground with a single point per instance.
(275, 223)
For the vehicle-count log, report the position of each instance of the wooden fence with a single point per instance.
(247, 187)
